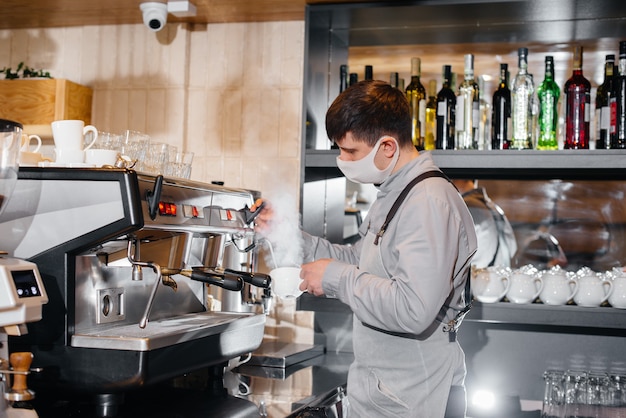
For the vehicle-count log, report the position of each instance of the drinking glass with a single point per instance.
(156, 159)
(134, 146)
(575, 393)
(179, 164)
(554, 394)
(597, 393)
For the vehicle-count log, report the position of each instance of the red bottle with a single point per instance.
(577, 106)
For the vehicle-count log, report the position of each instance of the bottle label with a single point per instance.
(612, 115)
(442, 109)
(460, 115)
(604, 117)
(422, 115)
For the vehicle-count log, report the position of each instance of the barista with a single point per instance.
(496, 239)
(405, 278)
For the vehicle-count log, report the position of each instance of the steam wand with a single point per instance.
(157, 270)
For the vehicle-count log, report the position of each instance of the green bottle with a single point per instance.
(548, 94)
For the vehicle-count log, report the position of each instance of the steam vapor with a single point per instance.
(284, 235)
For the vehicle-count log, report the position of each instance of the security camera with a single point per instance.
(154, 15)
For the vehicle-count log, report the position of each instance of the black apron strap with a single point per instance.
(452, 325)
(402, 196)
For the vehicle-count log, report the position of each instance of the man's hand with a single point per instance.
(312, 275)
(263, 220)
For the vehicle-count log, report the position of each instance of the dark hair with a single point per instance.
(369, 110)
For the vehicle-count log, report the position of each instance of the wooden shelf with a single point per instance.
(36, 103)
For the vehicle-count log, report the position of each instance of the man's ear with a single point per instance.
(390, 145)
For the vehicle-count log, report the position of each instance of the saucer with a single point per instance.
(66, 165)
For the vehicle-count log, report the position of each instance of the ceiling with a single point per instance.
(20, 14)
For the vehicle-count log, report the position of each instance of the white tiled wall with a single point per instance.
(231, 93)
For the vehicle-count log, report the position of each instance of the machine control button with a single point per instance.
(191, 211)
(226, 215)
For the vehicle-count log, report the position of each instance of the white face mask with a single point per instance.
(364, 170)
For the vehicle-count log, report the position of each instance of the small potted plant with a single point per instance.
(23, 71)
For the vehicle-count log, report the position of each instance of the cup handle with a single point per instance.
(607, 292)
(38, 139)
(92, 129)
(573, 288)
(539, 289)
(507, 283)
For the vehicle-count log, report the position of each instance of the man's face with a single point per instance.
(350, 149)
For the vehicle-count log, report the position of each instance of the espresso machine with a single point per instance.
(129, 262)
(22, 293)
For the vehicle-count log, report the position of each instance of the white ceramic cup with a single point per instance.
(286, 282)
(592, 291)
(100, 157)
(489, 285)
(26, 140)
(523, 287)
(617, 298)
(69, 155)
(70, 134)
(558, 289)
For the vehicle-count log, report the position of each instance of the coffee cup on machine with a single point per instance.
(101, 157)
(70, 134)
(26, 140)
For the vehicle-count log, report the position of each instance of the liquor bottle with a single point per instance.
(484, 122)
(577, 105)
(605, 105)
(446, 112)
(620, 96)
(343, 78)
(394, 79)
(548, 94)
(522, 93)
(416, 94)
(431, 116)
(354, 78)
(401, 84)
(369, 72)
(467, 108)
(501, 112)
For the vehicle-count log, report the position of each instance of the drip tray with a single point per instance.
(277, 354)
(247, 329)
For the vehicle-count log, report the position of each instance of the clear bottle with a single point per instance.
(431, 116)
(620, 96)
(501, 112)
(522, 93)
(446, 112)
(484, 123)
(548, 94)
(605, 104)
(467, 108)
(577, 105)
(416, 94)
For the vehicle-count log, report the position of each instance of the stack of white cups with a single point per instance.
(69, 140)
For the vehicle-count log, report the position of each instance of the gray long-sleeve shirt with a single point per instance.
(425, 250)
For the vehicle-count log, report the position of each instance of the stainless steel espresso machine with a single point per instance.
(128, 261)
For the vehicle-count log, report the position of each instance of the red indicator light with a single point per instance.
(167, 209)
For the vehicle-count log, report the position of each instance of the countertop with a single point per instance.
(280, 391)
